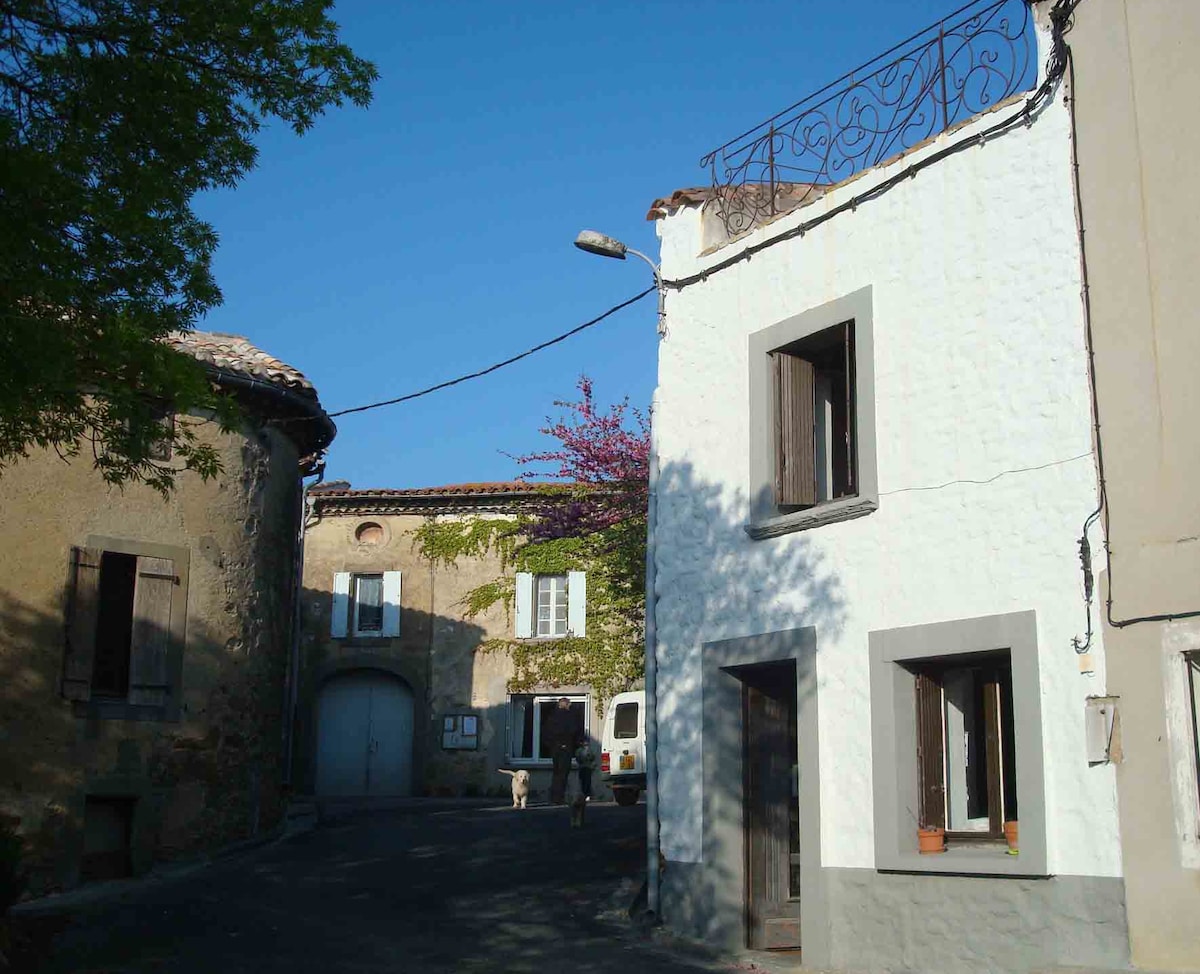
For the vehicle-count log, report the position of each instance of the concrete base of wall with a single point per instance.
(899, 922)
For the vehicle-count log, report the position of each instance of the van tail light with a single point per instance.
(605, 762)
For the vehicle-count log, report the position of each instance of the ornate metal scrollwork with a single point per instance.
(943, 75)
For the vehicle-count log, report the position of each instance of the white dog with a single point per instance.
(520, 786)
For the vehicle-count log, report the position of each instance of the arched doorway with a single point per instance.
(365, 735)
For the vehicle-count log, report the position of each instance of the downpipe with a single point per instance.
(653, 874)
(294, 656)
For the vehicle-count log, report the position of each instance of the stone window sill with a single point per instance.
(975, 859)
(116, 709)
(845, 509)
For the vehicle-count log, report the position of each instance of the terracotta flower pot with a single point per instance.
(1010, 833)
(931, 841)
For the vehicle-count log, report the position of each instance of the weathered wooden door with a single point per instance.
(771, 814)
(365, 735)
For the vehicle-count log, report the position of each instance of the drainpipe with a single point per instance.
(652, 824)
(297, 592)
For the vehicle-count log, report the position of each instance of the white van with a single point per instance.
(623, 746)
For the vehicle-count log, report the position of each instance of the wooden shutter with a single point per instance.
(391, 604)
(795, 470)
(83, 608)
(577, 603)
(339, 620)
(851, 445)
(930, 755)
(153, 593)
(995, 791)
(524, 605)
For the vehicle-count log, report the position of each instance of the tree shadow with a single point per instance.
(727, 603)
(210, 777)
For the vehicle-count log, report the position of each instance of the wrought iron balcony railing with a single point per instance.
(958, 67)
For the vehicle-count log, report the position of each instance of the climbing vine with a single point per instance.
(595, 522)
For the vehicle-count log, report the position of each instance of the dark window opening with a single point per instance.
(625, 722)
(107, 835)
(815, 449)
(114, 625)
(966, 754)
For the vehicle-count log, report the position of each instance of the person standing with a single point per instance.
(560, 734)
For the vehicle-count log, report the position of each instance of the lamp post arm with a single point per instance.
(662, 293)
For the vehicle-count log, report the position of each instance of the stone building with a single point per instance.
(874, 445)
(144, 643)
(1135, 73)
(395, 699)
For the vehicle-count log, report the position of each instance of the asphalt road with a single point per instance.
(413, 891)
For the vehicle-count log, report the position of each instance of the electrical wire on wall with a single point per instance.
(1062, 19)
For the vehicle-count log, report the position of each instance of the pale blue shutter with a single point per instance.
(339, 621)
(391, 604)
(577, 603)
(524, 605)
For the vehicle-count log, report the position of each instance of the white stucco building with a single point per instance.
(885, 607)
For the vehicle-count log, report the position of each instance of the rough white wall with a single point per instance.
(979, 368)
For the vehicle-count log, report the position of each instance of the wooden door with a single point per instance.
(771, 818)
(389, 763)
(365, 735)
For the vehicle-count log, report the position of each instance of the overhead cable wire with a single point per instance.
(499, 365)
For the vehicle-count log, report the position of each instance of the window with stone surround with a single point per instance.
(812, 419)
(956, 733)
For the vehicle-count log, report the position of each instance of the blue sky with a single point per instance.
(430, 234)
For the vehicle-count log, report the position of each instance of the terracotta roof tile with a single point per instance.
(233, 353)
(788, 195)
(459, 490)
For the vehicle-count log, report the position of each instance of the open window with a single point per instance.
(125, 624)
(814, 436)
(965, 748)
(528, 714)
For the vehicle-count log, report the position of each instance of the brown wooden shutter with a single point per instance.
(851, 430)
(991, 717)
(931, 762)
(151, 631)
(83, 607)
(795, 472)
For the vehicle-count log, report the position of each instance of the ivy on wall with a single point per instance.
(611, 656)
(595, 522)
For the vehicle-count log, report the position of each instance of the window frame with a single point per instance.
(554, 605)
(932, 675)
(767, 519)
(894, 655)
(354, 630)
(133, 705)
(534, 699)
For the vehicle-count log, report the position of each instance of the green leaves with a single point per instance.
(113, 115)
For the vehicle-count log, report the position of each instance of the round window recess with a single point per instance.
(369, 533)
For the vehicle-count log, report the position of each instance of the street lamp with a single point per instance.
(603, 245)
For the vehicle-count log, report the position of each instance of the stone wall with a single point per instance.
(213, 775)
(435, 654)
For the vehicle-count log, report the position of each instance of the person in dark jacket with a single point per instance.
(560, 735)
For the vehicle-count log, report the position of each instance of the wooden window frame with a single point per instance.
(799, 420)
(355, 630)
(932, 746)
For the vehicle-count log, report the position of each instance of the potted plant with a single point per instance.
(1010, 836)
(931, 839)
